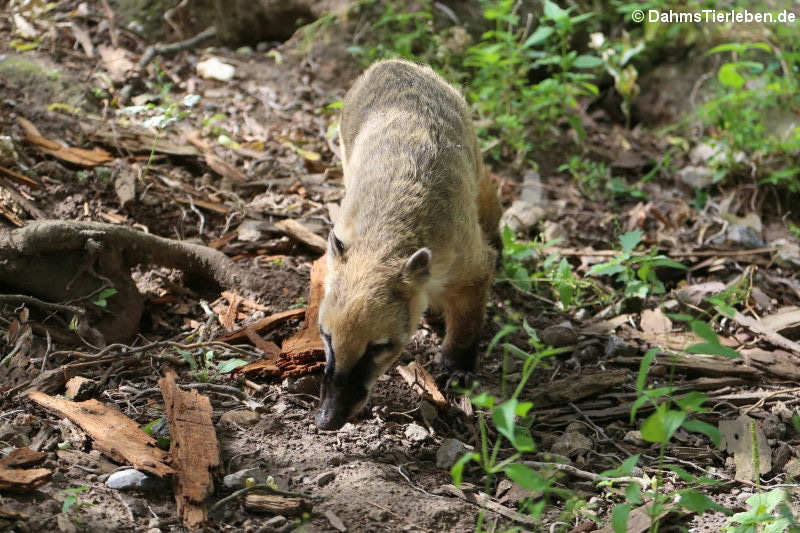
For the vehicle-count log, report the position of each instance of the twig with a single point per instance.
(30, 300)
(760, 402)
(772, 336)
(584, 474)
(251, 488)
(171, 48)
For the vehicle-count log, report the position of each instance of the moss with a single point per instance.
(39, 80)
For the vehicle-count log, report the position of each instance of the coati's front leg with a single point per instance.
(464, 311)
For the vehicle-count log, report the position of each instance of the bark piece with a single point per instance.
(304, 352)
(19, 479)
(113, 433)
(22, 457)
(696, 364)
(563, 391)
(740, 436)
(299, 232)
(193, 449)
(78, 156)
(79, 388)
(275, 504)
(422, 382)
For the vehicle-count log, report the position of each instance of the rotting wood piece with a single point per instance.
(193, 449)
(306, 347)
(299, 232)
(112, 433)
(275, 504)
(22, 458)
(78, 156)
(563, 391)
(695, 364)
(20, 479)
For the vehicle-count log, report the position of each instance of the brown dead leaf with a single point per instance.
(78, 156)
(422, 382)
(116, 61)
(655, 321)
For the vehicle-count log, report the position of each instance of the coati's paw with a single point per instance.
(455, 379)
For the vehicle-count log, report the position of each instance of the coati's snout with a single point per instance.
(340, 399)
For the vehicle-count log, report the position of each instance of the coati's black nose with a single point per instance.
(329, 418)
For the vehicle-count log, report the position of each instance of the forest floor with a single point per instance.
(270, 128)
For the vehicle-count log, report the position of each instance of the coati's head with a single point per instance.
(371, 307)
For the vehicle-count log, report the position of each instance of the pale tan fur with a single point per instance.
(414, 179)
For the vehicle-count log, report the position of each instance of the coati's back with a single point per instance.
(412, 231)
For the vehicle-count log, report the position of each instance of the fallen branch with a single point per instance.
(161, 49)
(772, 336)
(299, 232)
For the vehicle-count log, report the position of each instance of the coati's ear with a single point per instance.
(335, 246)
(418, 266)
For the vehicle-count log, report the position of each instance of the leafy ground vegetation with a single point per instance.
(641, 358)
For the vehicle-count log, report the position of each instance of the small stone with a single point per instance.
(792, 469)
(416, 433)
(696, 177)
(131, 479)
(634, 437)
(781, 456)
(308, 384)
(154, 523)
(773, 427)
(215, 69)
(522, 216)
(239, 418)
(744, 236)
(572, 444)
(576, 427)
(562, 334)
(237, 480)
(324, 478)
(449, 452)
(616, 346)
(65, 524)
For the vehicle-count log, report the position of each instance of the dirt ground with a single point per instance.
(379, 472)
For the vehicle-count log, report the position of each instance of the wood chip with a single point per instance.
(654, 321)
(304, 352)
(22, 457)
(79, 388)
(112, 433)
(228, 318)
(78, 156)
(275, 504)
(299, 232)
(193, 449)
(19, 479)
(422, 382)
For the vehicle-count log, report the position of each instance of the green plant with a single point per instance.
(72, 498)
(207, 369)
(102, 299)
(595, 181)
(636, 272)
(511, 422)
(616, 57)
(554, 272)
(769, 512)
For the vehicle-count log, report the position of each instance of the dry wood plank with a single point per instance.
(304, 351)
(262, 325)
(113, 433)
(275, 504)
(299, 232)
(695, 364)
(20, 479)
(22, 457)
(572, 389)
(422, 382)
(193, 449)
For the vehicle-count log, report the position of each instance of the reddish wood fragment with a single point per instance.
(19, 479)
(306, 347)
(262, 325)
(260, 368)
(79, 388)
(22, 179)
(22, 457)
(422, 382)
(78, 156)
(228, 318)
(269, 348)
(193, 449)
(113, 433)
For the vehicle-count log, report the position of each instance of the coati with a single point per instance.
(417, 228)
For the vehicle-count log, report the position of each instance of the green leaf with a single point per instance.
(728, 76)
(722, 306)
(697, 502)
(680, 317)
(587, 61)
(710, 348)
(619, 517)
(223, 367)
(606, 269)
(633, 494)
(505, 330)
(660, 426)
(644, 368)
(666, 262)
(704, 331)
(683, 474)
(148, 428)
(68, 502)
(539, 36)
(553, 11)
(629, 240)
(503, 417)
(692, 402)
(483, 400)
(457, 470)
(526, 477)
(698, 426)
